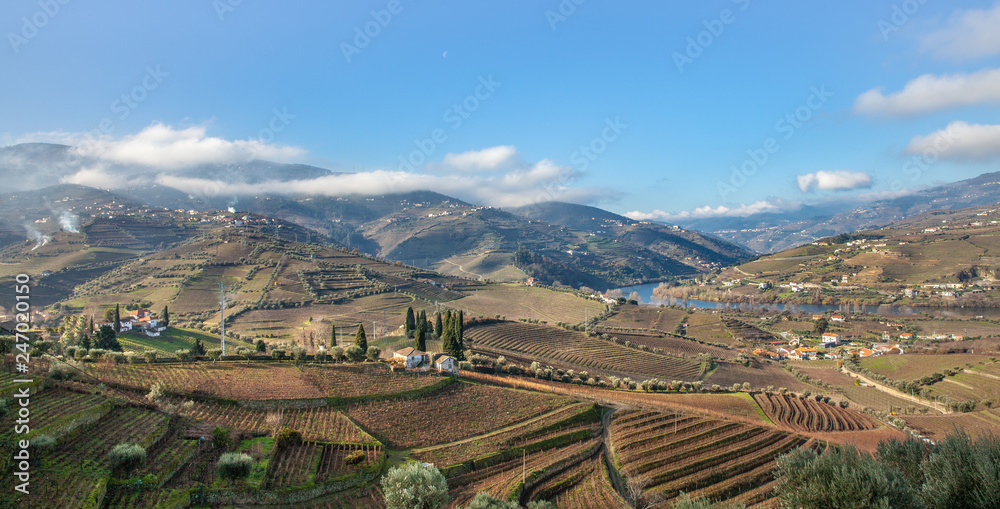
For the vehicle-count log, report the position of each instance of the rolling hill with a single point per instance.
(774, 232)
(421, 228)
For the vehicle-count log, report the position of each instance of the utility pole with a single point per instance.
(222, 321)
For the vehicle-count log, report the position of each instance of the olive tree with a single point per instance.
(415, 486)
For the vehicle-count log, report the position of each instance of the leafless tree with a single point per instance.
(636, 486)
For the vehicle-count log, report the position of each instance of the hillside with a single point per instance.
(421, 228)
(774, 232)
(939, 258)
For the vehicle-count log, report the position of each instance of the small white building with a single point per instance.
(831, 339)
(411, 357)
(446, 363)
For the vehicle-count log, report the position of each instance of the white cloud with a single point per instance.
(959, 140)
(487, 159)
(966, 35)
(929, 93)
(161, 146)
(171, 157)
(541, 182)
(741, 210)
(837, 180)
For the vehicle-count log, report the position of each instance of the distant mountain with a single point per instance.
(556, 242)
(773, 232)
(667, 240)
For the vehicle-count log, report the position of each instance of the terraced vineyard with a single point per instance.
(549, 344)
(292, 465)
(582, 487)
(710, 458)
(365, 379)
(811, 415)
(296, 465)
(670, 345)
(57, 411)
(459, 411)
(332, 462)
(72, 469)
(261, 381)
(499, 480)
(562, 421)
(164, 460)
(322, 424)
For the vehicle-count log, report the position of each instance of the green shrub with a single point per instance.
(220, 437)
(415, 486)
(355, 458)
(354, 353)
(126, 457)
(487, 501)
(234, 465)
(287, 436)
(43, 441)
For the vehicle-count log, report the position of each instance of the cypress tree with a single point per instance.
(410, 322)
(447, 334)
(165, 317)
(360, 339)
(91, 330)
(438, 329)
(85, 342)
(117, 326)
(422, 322)
(333, 336)
(420, 343)
(460, 337)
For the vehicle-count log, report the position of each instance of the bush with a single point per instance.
(540, 504)
(840, 478)
(126, 457)
(277, 354)
(43, 441)
(487, 501)
(287, 436)
(337, 354)
(354, 353)
(234, 465)
(373, 353)
(220, 437)
(355, 458)
(155, 393)
(61, 371)
(686, 502)
(415, 486)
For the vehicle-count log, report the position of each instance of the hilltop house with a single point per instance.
(830, 339)
(837, 318)
(803, 354)
(411, 358)
(445, 363)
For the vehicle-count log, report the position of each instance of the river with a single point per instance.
(646, 294)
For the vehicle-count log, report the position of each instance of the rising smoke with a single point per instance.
(69, 221)
(38, 237)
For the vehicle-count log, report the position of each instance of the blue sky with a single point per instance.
(662, 121)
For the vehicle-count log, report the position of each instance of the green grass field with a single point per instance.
(173, 339)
